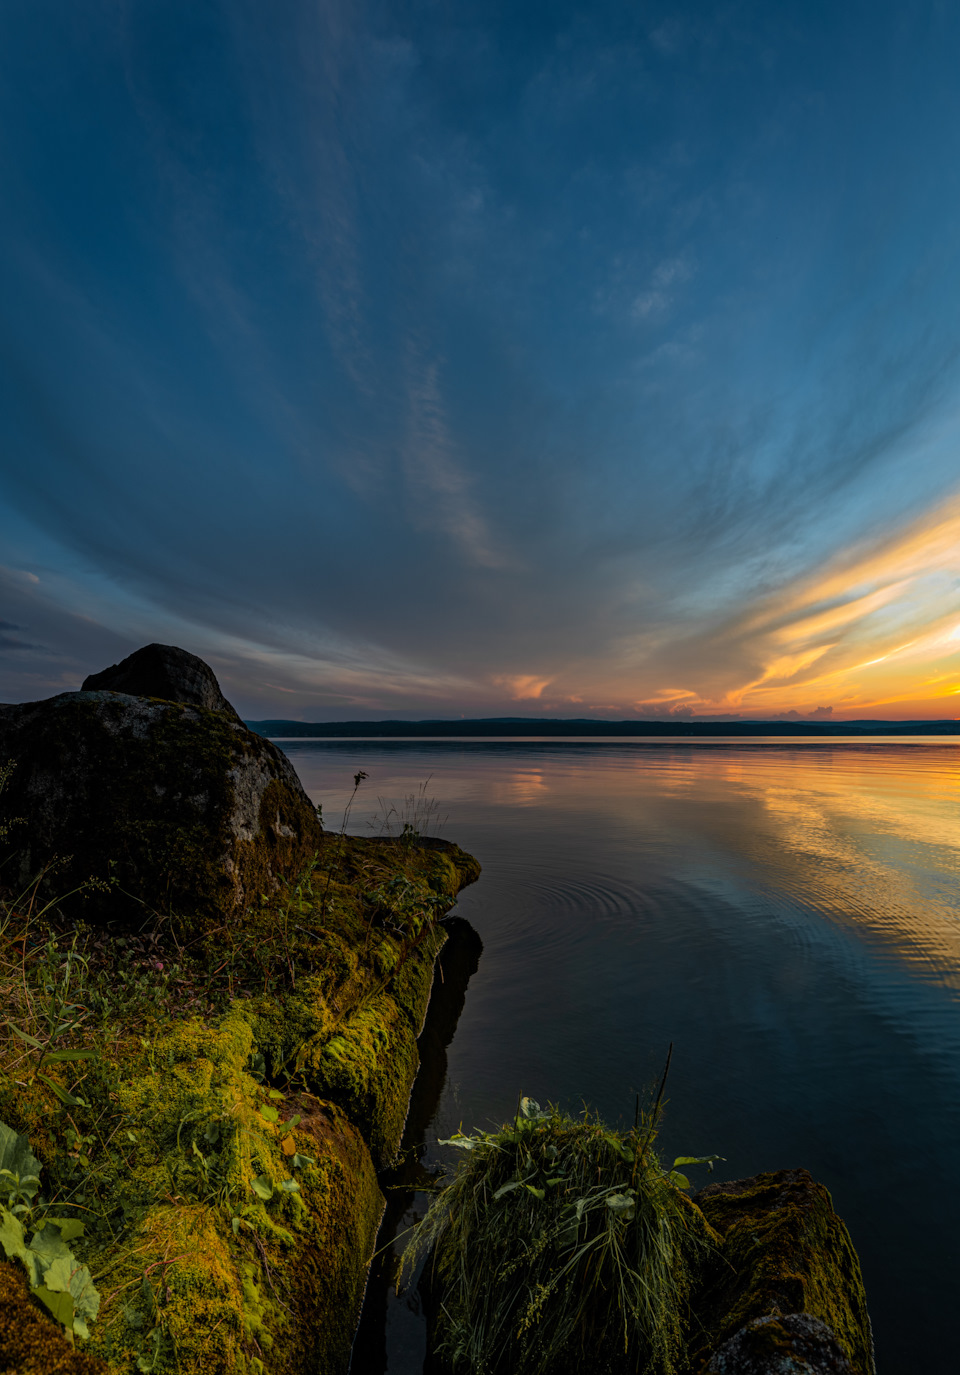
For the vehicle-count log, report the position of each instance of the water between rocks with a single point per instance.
(788, 915)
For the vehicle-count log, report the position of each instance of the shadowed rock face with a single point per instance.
(162, 671)
(173, 802)
(784, 1293)
(795, 1344)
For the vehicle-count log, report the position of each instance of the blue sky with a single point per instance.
(428, 359)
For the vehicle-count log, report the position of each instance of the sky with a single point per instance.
(436, 359)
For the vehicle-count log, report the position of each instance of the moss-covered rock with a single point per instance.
(30, 1342)
(225, 1175)
(172, 808)
(784, 1251)
(795, 1344)
(219, 1139)
(370, 1062)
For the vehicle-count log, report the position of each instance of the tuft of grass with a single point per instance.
(561, 1245)
(406, 822)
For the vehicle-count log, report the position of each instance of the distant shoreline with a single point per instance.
(487, 727)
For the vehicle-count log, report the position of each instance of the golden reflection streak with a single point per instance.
(832, 829)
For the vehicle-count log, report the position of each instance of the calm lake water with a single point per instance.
(788, 915)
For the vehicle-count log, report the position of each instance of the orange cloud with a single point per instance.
(523, 687)
(867, 631)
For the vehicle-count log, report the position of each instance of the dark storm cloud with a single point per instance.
(403, 358)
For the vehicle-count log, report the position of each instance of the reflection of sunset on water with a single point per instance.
(864, 835)
(788, 915)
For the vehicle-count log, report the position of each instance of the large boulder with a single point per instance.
(163, 671)
(784, 1291)
(169, 800)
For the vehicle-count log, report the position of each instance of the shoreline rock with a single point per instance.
(223, 1153)
(785, 1254)
(172, 806)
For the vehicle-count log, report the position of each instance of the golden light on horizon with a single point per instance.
(877, 632)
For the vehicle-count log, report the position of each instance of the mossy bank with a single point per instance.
(212, 1047)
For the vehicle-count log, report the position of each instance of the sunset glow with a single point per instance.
(555, 361)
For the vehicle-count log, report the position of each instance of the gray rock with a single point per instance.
(791, 1344)
(162, 671)
(174, 809)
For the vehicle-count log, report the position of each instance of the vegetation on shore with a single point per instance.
(561, 1245)
(207, 1109)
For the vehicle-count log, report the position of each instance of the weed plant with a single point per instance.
(416, 816)
(561, 1246)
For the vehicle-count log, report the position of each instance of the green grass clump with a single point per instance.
(561, 1245)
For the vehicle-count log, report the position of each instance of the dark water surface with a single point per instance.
(788, 915)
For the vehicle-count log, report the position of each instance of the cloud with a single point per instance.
(523, 687)
(841, 630)
(656, 299)
(440, 489)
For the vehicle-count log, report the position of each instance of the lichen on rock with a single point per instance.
(785, 1251)
(227, 1178)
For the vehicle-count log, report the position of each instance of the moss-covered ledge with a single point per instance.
(784, 1251)
(222, 1146)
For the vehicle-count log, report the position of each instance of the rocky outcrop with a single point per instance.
(793, 1345)
(163, 671)
(235, 1093)
(784, 1292)
(158, 792)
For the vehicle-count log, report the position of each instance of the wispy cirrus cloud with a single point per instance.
(439, 488)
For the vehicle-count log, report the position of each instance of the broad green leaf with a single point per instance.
(13, 1243)
(60, 1056)
(507, 1189)
(298, 1161)
(537, 1193)
(529, 1108)
(290, 1186)
(697, 1160)
(70, 1227)
(275, 1094)
(236, 1225)
(623, 1205)
(58, 1273)
(48, 1244)
(262, 1187)
(60, 1303)
(556, 1179)
(679, 1180)
(86, 1299)
(463, 1143)
(269, 1113)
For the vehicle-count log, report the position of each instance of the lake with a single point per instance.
(786, 914)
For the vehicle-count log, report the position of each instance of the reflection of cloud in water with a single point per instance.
(868, 839)
(865, 834)
(521, 788)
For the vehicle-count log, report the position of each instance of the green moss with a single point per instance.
(30, 1343)
(784, 1250)
(199, 1273)
(369, 1062)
